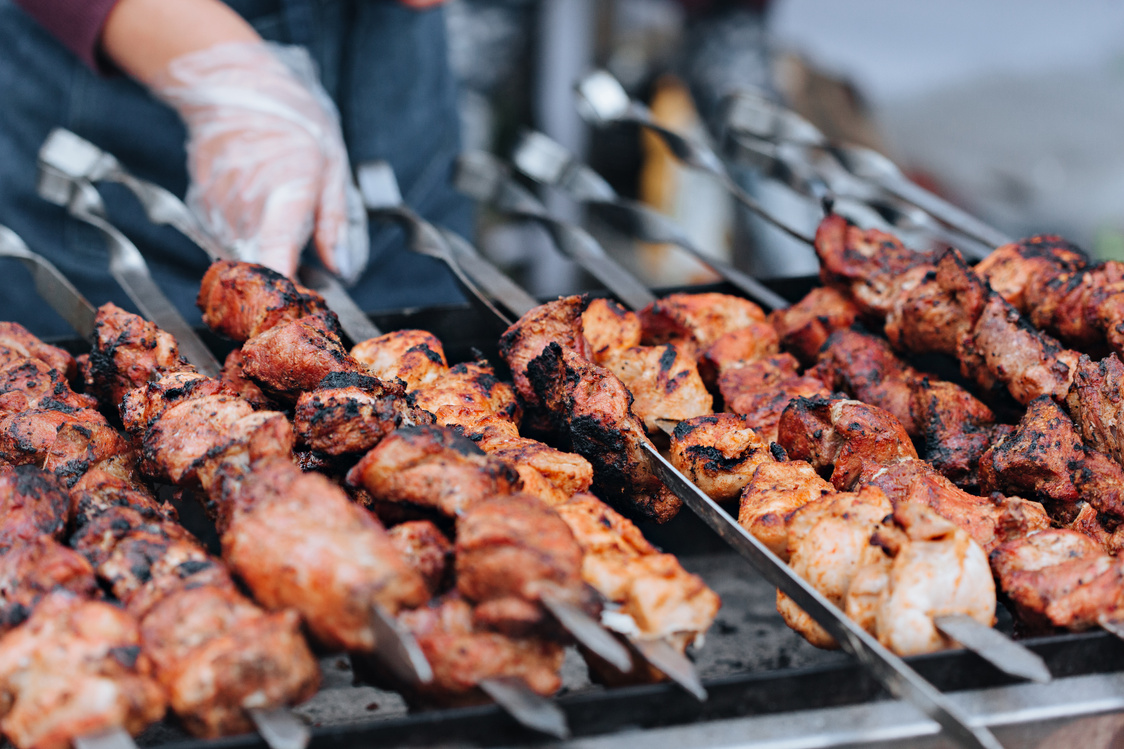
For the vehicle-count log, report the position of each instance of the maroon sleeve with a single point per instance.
(75, 23)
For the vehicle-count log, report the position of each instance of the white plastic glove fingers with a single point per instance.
(341, 223)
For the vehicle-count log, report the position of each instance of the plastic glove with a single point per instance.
(266, 157)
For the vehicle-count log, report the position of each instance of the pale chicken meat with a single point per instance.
(664, 383)
(695, 321)
(568, 472)
(931, 568)
(828, 543)
(469, 385)
(773, 494)
(414, 356)
(75, 668)
(610, 329)
(718, 453)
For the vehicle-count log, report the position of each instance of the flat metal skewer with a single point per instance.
(279, 728)
(525, 705)
(900, 680)
(602, 100)
(548, 162)
(588, 631)
(113, 738)
(55, 288)
(485, 178)
(397, 649)
(993, 646)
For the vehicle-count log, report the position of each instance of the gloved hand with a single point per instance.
(266, 157)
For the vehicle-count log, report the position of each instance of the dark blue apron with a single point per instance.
(386, 67)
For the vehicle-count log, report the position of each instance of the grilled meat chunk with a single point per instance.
(351, 413)
(298, 541)
(17, 342)
(844, 439)
(1045, 459)
(932, 569)
(1060, 578)
(567, 472)
(234, 378)
(432, 467)
(719, 453)
(177, 443)
(34, 569)
(75, 668)
(295, 356)
(610, 329)
(32, 503)
(463, 655)
(737, 348)
(804, 327)
(762, 390)
(414, 356)
(957, 429)
(31, 383)
(242, 300)
(1011, 269)
(664, 383)
(425, 548)
(828, 543)
(511, 551)
(865, 368)
(128, 352)
(773, 494)
(143, 405)
(592, 410)
(26, 437)
(1095, 405)
(558, 322)
(467, 385)
(989, 521)
(694, 321)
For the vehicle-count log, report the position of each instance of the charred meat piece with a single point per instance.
(298, 541)
(32, 503)
(127, 353)
(75, 668)
(242, 300)
(956, 429)
(695, 321)
(27, 437)
(719, 453)
(177, 443)
(931, 569)
(414, 356)
(568, 472)
(1096, 407)
(592, 410)
(468, 385)
(463, 655)
(989, 521)
(805, 326)
(144, 405)
(432, 467)
(34, 569)
(351, 413)
(828, 543)
(235, 379)
(939, 312)
(80, 445)
(1010, 269)
(1045, 459)
(512, 550)
(844, 439)
(870, 265)
(737, 348)
(762, 390)
(775, 492)
(1060, 578)
(664, 383)
(558, 322)
(17, 342)
(295, 356)
(425, 548)
(31, 383)
(866, 368)
(610, 329)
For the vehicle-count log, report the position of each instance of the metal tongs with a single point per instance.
(548, 162)
(764, 127)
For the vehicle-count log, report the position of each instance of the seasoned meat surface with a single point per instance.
(351, 413)
(17, 342)
(35, 569)
(610, 329)
(128, 352)
(719, 453)
(664, 383)
(425, 548)
(295, 356)
(242, 300)
(414, 356)
(558, 322)
(805, 326)
(695, 321)
(773, 494)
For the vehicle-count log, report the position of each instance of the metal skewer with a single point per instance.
(768, 122)
(527, 706)
(279, 728)
(126, 264)
(80, 159)
(548, 162)
(602, 100)
(51, 284)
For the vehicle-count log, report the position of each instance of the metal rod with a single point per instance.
(396, 648)
(674, 664)
(51, 284)
(588, 632)
(993, 646)
(483, 177)
(545, 161)
(279, 728)
(527, 706)
(890, 671)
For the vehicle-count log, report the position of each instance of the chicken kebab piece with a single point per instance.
(217, 655)
(71, 665)
(652, 597)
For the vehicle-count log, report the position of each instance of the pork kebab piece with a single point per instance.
(219, 657)
(72, 665)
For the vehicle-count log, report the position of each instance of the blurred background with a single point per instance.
(1011, 109)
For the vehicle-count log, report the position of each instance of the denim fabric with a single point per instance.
(385, 65)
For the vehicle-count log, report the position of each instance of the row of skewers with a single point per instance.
(588, 425)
